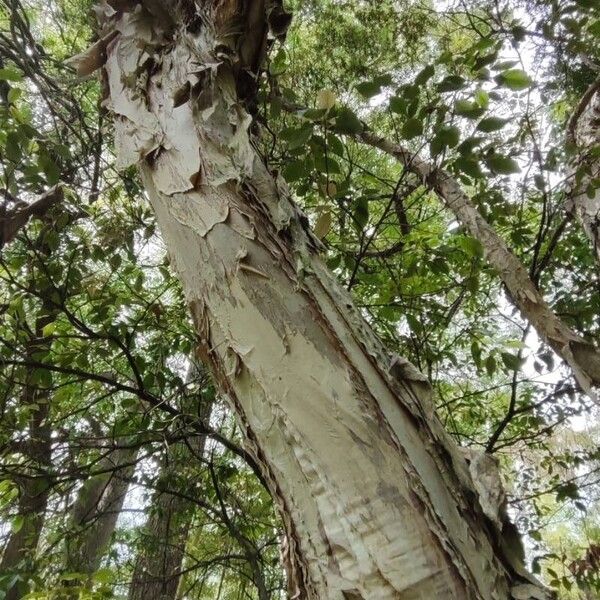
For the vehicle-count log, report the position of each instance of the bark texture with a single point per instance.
(96, 510)
(13, 220)
(584, 135)
(377, 501)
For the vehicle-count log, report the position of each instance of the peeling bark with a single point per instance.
(376, 500)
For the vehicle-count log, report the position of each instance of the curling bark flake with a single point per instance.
(377, 501)
(584, 135)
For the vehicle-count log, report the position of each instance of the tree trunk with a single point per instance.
(579, 354)
(20, 550)
(96, 509)
(376, 500)
(584, 134)
(157, 568)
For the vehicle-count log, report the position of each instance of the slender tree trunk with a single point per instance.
(579, 354)
(20, 550)
(375, 498)
(584, 134)
(157, 568)
(96, 509)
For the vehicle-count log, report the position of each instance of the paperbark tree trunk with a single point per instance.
(96, 509)
(376, 500)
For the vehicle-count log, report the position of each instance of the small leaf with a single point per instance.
(469, 166)
(10, 74)
(425, 75)
(491, 124)
(103, 576)
(514, 79)
(449, 135)
(368, 89)
(297, 136)
(323, 224)
(510, 361)
(17, 523)
(412, 128)
(468, 109)
(361, 212)
(347, 122)
(48, 329)
(295, 170)
(451, 83)
(490, 365)
(371, 88)
(279, 63)
(398, 105)
(502, 165)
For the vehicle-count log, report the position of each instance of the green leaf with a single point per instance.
(398, 105)
(72, 576)
(368, 89)
(490, 365)
(326, 165)
(13, 147)
(502, 165)
(491, 124)
(347, 122)
(471, 246)
(49, 329)
(449, 135)
(482, 98)
(361, 212)
(371, 88)
(412, 128)
(514, 79)
(278, 65)
(14, 94)
(103, 575)
(425, 75)
(468, 109)
(469, 166)
(10, 74)
(511, 361)
(49, 168)
(295, 170)
(17, 523)
(297, 136)
(451, 83)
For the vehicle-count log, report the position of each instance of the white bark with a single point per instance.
(375, 498)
